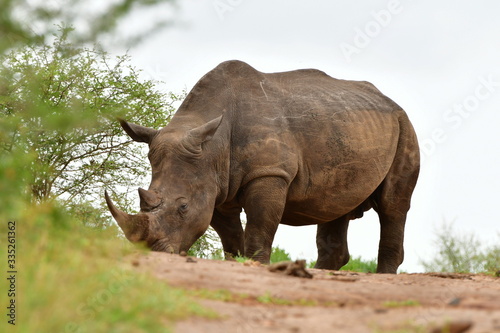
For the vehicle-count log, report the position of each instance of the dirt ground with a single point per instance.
(331, 301)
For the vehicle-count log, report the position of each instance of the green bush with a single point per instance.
(278, 254)
(360, 265)
(462, 253)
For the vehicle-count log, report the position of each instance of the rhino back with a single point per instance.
(333, 140)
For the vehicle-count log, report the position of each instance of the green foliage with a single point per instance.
(75, 279)
(360, 265)
(278, 254)
(267, 298)
(58, 111)
(242, 259)
(29, 22)
(462, 253)
(207, 246)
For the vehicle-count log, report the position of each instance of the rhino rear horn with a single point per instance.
(135, 227)
(149, 199)
(137, 132)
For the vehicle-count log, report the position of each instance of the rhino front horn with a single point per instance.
(134, 227)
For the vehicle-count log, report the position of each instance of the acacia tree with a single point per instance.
(27, 22)
(59, 104)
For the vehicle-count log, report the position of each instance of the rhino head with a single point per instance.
(178, 206)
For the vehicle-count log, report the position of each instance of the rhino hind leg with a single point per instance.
(391, 251)
(331, 240)
(227, 224)
(392, 199)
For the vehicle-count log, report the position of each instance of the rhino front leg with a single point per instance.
(264, 202)
(227, 223)
(331, 240)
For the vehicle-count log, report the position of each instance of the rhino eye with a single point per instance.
(183, 207)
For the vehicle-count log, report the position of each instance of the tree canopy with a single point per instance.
(59, 105)
(27, 22)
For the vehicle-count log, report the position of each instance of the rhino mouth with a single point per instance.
(163, 245)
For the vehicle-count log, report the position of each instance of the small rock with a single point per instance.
(189, 259)
(457, 326)
(456, 301)
(183, 254)
(135, 263)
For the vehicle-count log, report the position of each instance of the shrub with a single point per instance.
(278, 254)
(360, 265)
(462, 253)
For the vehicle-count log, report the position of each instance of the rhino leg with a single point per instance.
(393, 200)
(393, 203)
(331, 240)
(264, 202)
(227, 224)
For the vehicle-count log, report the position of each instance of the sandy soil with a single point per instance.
(331, 301)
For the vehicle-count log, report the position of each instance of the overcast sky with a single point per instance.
(439, 60)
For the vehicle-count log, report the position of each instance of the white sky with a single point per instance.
(433, 58)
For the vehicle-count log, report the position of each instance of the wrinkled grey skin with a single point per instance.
(297, 148)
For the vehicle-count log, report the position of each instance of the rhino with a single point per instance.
(298, 148)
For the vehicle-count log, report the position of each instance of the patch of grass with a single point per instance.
(413, 329)
(401, 304)
(360, 265)
(277, 255)
(267, 298)
(242, 259)
(408, 326)
(311, 264)
(223, 295)
(74, 279)
(355, 265)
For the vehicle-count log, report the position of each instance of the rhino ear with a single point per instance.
(137, 132)
(205, 132)
(197, 136)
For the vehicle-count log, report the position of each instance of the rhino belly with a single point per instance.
(334, 194)
(338, 172)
